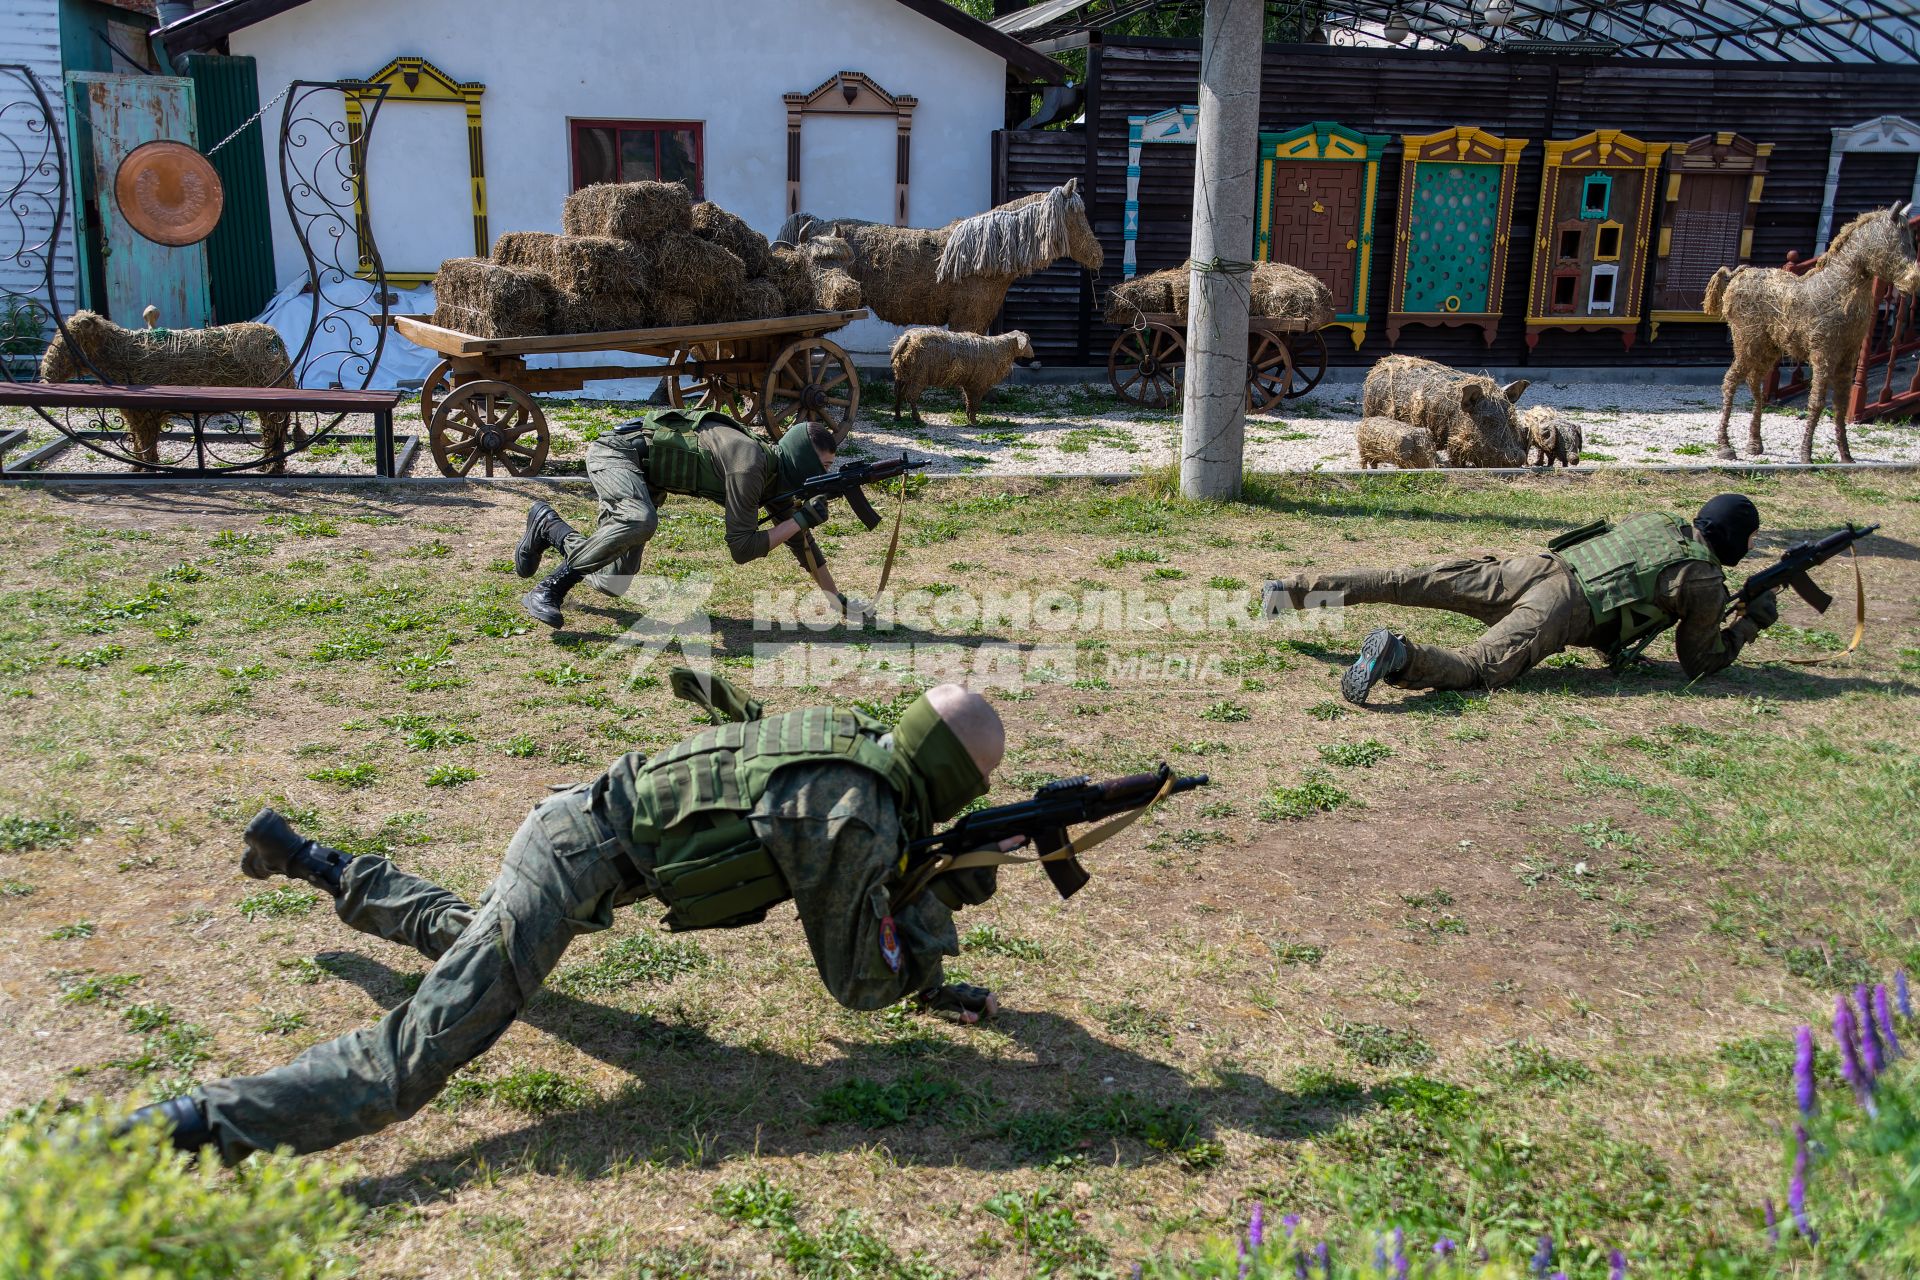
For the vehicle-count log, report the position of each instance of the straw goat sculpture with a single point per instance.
(1818, 318)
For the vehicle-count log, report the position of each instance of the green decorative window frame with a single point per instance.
(1327, 142)
(413, 79)
(1462, 144)
(1587, 210)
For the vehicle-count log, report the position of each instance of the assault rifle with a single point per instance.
(850, 482)
(1043, 820)
(1790, 570)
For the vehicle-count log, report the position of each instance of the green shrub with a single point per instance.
(79, 1204)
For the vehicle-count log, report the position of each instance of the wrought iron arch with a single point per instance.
(317, 164)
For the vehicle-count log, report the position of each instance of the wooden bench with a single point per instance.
(206, 400)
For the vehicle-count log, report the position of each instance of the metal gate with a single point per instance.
(347, 315)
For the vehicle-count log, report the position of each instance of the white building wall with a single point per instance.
(723, 64)
(30, 35)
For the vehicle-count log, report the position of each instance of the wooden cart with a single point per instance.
(1283, 361)
(480, 411)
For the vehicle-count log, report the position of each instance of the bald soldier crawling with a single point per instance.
(814, 806)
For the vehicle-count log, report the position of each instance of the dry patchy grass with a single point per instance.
(1348, 976)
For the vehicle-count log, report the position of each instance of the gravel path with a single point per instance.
(1084, 429)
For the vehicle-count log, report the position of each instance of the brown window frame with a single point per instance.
(656, 127)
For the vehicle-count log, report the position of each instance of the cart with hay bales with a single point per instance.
(480, 412)
(1286, 354)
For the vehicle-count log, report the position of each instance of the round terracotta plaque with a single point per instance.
(169, 193)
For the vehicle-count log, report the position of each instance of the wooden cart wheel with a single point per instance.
(1269, 371)
(1309, 351)
(434, 389)
(812, 379)
(1145, 365)
(489, 423)
(707, 391)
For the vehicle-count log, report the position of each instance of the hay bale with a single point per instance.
(787, 270)
(706, 277)
(761, 300)
(1151, 294)
(602, 284)
(532, 250)
(730, 232)
(674, 310)
(1285, 292)
(836, 290)
(1389, 440)
(1468, 415)
(487, 300)
(638, 211)
(1276, 290)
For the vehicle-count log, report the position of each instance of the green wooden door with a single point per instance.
(1456, 208)
(107, 117)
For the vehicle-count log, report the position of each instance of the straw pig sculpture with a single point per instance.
(1389, 440)
(968, 363)
(958, 275)
(1469, 416)
(1819, 318)
(1551, 437)
(249, 354)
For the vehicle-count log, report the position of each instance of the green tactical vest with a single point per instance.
(675, 461)
(1619, 565)
(691, 804)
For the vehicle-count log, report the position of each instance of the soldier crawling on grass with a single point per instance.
(700, 454)
(1611, 587)
(814, 806)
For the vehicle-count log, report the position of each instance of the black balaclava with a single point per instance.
(1725, 523)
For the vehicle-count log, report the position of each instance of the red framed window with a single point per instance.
(637, 151)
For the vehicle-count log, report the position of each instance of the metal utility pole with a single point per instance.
(1214, 419)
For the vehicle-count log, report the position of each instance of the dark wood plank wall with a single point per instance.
(1793, 107)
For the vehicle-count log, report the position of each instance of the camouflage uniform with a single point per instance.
(631, 468)
(1535, 606)
(833, 830)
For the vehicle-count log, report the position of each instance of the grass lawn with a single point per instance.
(1482, 965)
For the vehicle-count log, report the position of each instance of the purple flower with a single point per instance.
(1803, 1087)
(1543, 1257)
(1797, 1189)
(1872, 1053)
(1445, 1248)
(1900, 991)
(1299, 1265)
(1616, 1266)
(1380, 1254)
(1400, 1263)
(1883, 1019)
(1844, 1032)
(1245, 1264)
(1773, 1222)
(1292, 1223)
(1256, 1228)
(1325, 1258)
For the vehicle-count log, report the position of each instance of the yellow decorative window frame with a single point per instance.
(413, 79)
(1601, 149)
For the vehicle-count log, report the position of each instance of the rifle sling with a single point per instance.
(893, 545)
(1859, 620)
(991, 857)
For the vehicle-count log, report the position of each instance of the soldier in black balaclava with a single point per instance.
(1611, 587)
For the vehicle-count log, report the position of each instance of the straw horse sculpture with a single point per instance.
(1819, 318)
(958, 275)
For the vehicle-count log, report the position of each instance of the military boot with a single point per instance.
(186, 1123)
(544, 529)
(274, 848)
(544, 601)
(1382, 656)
